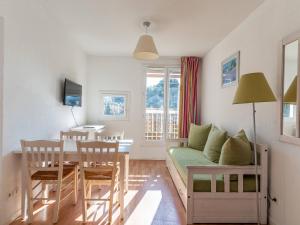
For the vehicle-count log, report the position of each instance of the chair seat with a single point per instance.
(98, 175)
(51, 175)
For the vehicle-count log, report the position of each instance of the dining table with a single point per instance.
(71, 154)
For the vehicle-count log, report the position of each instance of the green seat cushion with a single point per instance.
(198, 136)
(236, 150)
(214, 143)
(182, 157)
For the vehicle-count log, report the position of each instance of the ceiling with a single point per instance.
(180, 27)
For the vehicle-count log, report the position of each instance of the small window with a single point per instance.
(114, 105)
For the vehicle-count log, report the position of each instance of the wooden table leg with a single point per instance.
(122, 177)
(126, 175)
(23, 189)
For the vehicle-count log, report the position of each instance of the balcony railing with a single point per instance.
(154, 125)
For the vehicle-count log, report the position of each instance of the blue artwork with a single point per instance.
(114, 105)
(230, 70)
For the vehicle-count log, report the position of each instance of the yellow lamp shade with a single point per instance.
(253, 87)
(145, 48)
(290, 97)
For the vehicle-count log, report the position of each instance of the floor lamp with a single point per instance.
(252, 88)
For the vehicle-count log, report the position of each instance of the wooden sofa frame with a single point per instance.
(222, 207)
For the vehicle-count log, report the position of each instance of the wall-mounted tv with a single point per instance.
(72, 93)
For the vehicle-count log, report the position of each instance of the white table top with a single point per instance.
(89, 128)
(71, 148)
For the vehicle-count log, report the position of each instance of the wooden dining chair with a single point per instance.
(74, 136)
(108, 135)
(39, 158)
(99, 165)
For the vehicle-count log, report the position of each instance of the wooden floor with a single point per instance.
(151, 200)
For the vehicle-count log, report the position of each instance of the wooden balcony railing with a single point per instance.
(154, 125)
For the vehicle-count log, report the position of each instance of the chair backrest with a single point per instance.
(97, 153)
(43, 154)
(108, 135)
(74, 135)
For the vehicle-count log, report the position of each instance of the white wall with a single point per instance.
(1, 106)
(38, 55)
(123, 74)
(258, 38)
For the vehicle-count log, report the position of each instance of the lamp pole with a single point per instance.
(256, 166)
(252, 88)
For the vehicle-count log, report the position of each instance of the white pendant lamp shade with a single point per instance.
(145, 48)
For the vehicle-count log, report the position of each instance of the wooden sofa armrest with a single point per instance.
(207, 169)
(216, 170)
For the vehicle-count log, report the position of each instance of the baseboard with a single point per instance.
(146, 159)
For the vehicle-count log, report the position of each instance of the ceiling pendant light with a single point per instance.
(145, 48)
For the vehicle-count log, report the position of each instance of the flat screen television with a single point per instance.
(72, 93)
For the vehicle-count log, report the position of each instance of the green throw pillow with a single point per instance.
(213, 146)
(198, 136)
(236, 150)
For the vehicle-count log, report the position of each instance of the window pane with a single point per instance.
(173, 100)
(154, 123)
(114, 105)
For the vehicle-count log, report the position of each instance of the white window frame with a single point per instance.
(166, 108)
(104, 93)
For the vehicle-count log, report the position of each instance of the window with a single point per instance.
(162, 103)
(114, 105)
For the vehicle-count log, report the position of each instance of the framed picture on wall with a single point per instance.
(114, 105)
(231, 70)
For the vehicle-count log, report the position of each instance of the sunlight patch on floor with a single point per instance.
(129, 196)
(146, 209)
(137, 175)
(137, 180)
(40, 209)
(98, 211)
(43, 207)
(94, 212)
(135, 185)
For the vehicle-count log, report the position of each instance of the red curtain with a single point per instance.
(188, 94)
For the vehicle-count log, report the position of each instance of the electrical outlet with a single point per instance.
(13, 192)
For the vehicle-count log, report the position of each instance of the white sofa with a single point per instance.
(226, 206)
